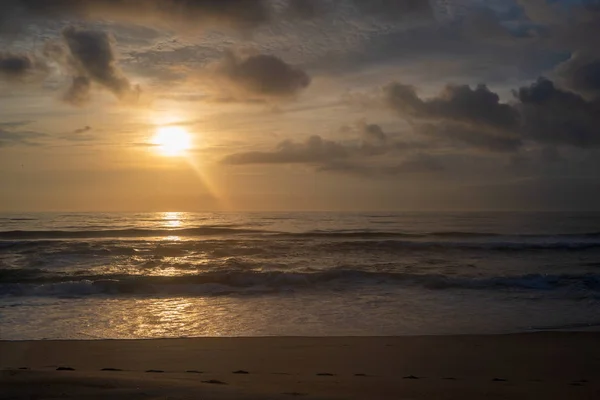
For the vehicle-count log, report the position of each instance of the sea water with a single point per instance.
(98, 276)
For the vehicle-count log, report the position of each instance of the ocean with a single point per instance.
(150, 275)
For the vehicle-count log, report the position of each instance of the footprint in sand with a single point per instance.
(580, 382)
(214, 382)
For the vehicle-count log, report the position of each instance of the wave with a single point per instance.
(331, 234)
(571, 326)
(497, 245)
(440, 235)
(124, 233)
(219, 247)
(274, 281)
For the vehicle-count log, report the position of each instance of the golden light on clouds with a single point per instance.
(172, 141)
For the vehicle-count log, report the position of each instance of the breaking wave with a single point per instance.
(274, 281)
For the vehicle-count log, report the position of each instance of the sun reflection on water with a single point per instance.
(173, 219)
(185, 317)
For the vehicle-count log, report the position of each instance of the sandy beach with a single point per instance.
(535, 365)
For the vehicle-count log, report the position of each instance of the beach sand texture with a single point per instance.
(521, 366)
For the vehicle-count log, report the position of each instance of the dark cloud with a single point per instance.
(577, 28)
(370, 141)
(581, 73)
(12, 134)
(470, 136)
(15, 66)
(477, 43)
(172, 13)
(555, 116)
(263, 76)
(315, 150)
(394, 9)
(543, 114)
(373, 134)
(474, 117)
(456, 103)
(80, 135)
(22, 68)
(372, 152)
(14, 124)
(305, 9)
(83, 130)
(94, 59)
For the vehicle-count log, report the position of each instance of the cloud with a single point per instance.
(11, 134)
(540, 11)
(456, 103)
(262, 76)
(470, 136)
(83, 130)
(79, 93)
(15, 65)
(21, 68)
(305, 9)
(372, 152)
(542, 114)
(373, 134)
(194, 14)
(577, 27)
(80, 135)
(420, 163)
(188, 14)
(394, 9)
(474, 117)
(581, 73)
(555, 116)
(93, 58)
(315, 150)
(371, 141)
(88, 56)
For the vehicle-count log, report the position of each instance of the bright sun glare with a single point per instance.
(172, 141)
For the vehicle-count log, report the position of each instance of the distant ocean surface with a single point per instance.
(96, 276)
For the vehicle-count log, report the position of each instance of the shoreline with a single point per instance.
(548, 365)
(592, 328)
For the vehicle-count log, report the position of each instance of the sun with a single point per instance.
(172, 141)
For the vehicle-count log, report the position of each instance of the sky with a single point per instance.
(342, 105)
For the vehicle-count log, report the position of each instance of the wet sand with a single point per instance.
(523, 366)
